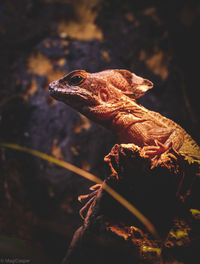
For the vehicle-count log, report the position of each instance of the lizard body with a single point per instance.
(110, 98)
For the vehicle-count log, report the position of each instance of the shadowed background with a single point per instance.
(42, 40)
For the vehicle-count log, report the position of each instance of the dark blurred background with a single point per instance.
(40, 41)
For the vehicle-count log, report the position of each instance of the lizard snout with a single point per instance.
(52, 86)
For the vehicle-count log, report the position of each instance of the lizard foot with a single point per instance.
(91, 196)
(86, 207)
(154, 152)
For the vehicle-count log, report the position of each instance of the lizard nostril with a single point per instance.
(52, 85)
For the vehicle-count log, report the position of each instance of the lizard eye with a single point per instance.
(76, 80)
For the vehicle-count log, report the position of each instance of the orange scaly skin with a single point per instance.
(109, 98)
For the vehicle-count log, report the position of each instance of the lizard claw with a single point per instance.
(91, 197)
(86, 207)
(150, 151)
(86, 196)
(158, 149)
(95, 187)
(154, 152)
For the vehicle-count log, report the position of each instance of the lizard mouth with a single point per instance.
(75, 97)
(58, 92)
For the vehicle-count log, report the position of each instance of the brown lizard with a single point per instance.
(110, 98)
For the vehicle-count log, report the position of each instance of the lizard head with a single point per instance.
(84, 91)
(73, 89)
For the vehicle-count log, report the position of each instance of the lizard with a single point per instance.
(110, 98)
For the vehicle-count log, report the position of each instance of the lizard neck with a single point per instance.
(118, 117)
(124, 121)
(103, 114)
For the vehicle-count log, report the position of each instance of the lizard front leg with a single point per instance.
(173, 142)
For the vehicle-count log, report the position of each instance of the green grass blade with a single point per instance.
(90, 177)
(51, 159)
